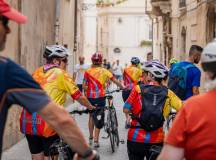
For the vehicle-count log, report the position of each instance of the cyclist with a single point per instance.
(192, 135)
(145, 79)
(192, 77)
(131, 77)
(140, 141)
(95, 80)
(18, 87)
(57, 83)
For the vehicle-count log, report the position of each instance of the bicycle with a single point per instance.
(62, 148)
(155, 151)
(111, 124)
(170, 120)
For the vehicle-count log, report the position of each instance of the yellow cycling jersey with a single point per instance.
(57, 84)
(131, 76)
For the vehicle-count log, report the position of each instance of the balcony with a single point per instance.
(108, 3)
(161, 6)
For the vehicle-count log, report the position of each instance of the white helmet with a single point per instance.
(157, 69)
(208, 58)
(56, 51)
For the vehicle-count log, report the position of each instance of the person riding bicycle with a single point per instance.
(192, 135)
(131, 76)
(17, 87)
(149, 100)
(95, 79)
(57, 83)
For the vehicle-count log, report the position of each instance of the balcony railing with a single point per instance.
(108, 3)
(182, 3)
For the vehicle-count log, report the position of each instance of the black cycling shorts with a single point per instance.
(39, 144)
(98, 115)
(125, 94)
(140, 151)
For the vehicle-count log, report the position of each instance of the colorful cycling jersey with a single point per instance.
(134, 104)
(95, 79)
(131, 76)
(57, 84)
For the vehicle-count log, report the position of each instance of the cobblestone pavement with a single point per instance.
(20, 151)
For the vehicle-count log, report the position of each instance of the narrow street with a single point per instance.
(21, 152)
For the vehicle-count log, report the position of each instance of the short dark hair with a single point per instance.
(195, 48)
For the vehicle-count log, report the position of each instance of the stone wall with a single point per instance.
(25, 45)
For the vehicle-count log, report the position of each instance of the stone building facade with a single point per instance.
(178, 24)
(124, 31)
(49, 22)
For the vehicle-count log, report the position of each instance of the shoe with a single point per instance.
(96, 145)
(90, 140)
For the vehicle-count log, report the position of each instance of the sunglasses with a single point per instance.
(4, 20)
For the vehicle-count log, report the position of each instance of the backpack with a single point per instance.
(153, 100)
(178, 78)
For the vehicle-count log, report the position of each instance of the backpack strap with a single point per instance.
(189, 66)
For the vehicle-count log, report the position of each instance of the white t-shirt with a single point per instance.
(117, 70)
(80, 70)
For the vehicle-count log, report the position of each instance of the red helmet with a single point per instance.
(97, 58)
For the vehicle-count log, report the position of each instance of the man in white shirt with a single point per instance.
(79, 72)
(117, 70)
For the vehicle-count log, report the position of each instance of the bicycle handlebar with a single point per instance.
(113, 91)
(86, 111)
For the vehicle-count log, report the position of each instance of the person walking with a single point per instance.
(18, 87)
(80, 69)
(149, 105)
(57, 83)
(192, 135)
(95, 80)
(184, 77)
(117, 70)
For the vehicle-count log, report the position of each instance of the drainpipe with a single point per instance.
(152, 21)
(75, 32)
(19, 55)
(57, 23)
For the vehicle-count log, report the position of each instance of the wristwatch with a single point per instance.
(88, 153)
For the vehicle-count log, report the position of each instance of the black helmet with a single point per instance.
(135, 60)
(55, 51)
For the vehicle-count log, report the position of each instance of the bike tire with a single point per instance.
(111, 134)
(117, 140)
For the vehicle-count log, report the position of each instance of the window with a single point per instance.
(182, 3)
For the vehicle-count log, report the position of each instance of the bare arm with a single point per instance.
(65, 126)
(170, 152)
(84, 101)
(195, 90)
(119, 84)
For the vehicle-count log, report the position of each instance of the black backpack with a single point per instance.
(153, 100)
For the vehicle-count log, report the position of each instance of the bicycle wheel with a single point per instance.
(117, 140)
(111, 135)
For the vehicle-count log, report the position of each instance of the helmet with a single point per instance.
(55, 51)
(173, 61)
(157, 69)
(97, 58)
(135, 60)
(208, 58)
